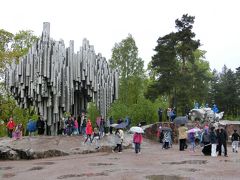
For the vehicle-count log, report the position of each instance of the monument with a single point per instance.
(54, 79)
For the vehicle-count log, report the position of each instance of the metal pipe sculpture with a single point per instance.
(55, 80)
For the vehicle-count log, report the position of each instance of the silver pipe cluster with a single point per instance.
(56, 80)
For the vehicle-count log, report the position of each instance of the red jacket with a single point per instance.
(10, 124)
(137, 138)
(89, 128)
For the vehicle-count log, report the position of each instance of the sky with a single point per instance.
(106, 22)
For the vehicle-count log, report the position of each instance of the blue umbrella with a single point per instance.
(121, 126)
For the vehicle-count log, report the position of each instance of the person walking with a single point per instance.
(235, 139)
(182, 136)
(96, 137)
(222, 141)
(118, 141)
(89, 131)
(10, 127)
(213, 141)
(137, 140)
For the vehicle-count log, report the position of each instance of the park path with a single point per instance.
(153, 163)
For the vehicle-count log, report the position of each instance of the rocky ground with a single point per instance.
(153, 163)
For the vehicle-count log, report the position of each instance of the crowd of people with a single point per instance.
(212, 140)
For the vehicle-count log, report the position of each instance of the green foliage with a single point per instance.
(13, 46)
(178, 70)
(92, 112)
(130, 66)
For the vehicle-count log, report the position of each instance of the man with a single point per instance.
(222, 140)
(160, 115)
(40, 126)
(182, 136)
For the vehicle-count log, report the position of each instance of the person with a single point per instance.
(40, 126)
(166, 139)
(31, 127)
(89, 131)
(235, 139)
(222, 141)
(70, 125)
(118, 141)
(111, 122)
(205, 140)
(137, 140)
(160, 111)
(192, 141)
(75, 131)
(182, 137)
(10, 127)
(213, 141)
(84, 125)
(96, 137)
(17, 134)
(102, 127)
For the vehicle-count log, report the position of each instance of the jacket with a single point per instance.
(10, 124)
(182, 134)
(213, 137)
(137, 138)
(89, 128)
(235, 136)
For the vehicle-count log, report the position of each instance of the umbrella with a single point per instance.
(136, 129)
(193, 130)
(121, 126)
(180, 120)
(165, 129)
(113, 125)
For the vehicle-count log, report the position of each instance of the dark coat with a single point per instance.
(235, 136)
(222, 136)
(213, 137)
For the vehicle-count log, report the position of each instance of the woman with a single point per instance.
(137, 140)
(118, 141)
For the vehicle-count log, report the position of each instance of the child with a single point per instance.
(18, 132)
(137, 140)
(96, 137)
(192, 141)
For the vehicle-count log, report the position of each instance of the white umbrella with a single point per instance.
(113, 125)
(136, 129)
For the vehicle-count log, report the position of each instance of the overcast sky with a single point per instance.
(105, 22)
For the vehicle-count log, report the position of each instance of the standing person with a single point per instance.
(79, 124)
(102, 127)
(160, 111)
(192, 141)
(182, 136)
(213, 141)
(18, 132)
(222, 141)
(89, 131)
(111, 122)
(40, 126)
(70, 125)
(137, 140)
(118, 141)
(235, 139)
(10, 127)
(96, 137)
(76, 132)
(84, 124)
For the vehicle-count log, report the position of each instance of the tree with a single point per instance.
(179, 67)
(130, 66)
(13, 46)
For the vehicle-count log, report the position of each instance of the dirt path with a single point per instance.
(154, 163)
